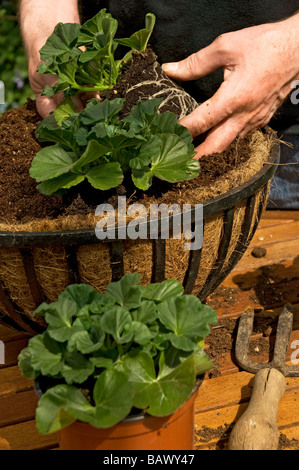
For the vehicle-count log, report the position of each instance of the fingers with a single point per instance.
(212, 112)
(45, 105)
(224, 133)
(219, 138)
(199, 64)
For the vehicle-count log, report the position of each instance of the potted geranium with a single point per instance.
(132, 357)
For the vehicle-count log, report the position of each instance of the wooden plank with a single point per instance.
(265, 286)
(222, 392)
(18, 400)
(221, 422)
(280, 215)
(8, 334)
(17, 407)
(25, 436)
(288, 439)
(276, 253)
(12, 381)
(276, 233)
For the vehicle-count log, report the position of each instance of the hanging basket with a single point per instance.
(38, 266)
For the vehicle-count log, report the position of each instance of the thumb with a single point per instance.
(196, 65)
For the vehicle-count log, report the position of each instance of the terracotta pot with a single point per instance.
(142, 432)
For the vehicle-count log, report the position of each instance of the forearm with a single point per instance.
(38, 19)
(291, 31)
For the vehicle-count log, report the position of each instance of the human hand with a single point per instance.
(46, 105)
(259, 63)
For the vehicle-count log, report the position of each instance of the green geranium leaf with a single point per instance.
(139, 40)
(105, 176)
(141, 333)
(24, 363)
(82, 342)
(45, 354)
(202, 362)
(55, 185)
(94, 151)
(142, 114)
(113, 396)
(167, 123)
(146, 312)
(64, 111)
(162, 291)
(117, 322)
(49, 131)
(102, 362)
(81, 294)
(101, 111)
(92, 27)
(77, 368)
(126, 292)
(51, 162)
(170, 160)
(59, 317)
(60, 406)
(161, 395)
(60, 44)
(187, 316)
(182, 342)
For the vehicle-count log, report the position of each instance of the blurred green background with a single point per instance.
(13, 62)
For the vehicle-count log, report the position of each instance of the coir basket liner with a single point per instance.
(38, 262)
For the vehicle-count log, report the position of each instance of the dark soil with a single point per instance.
(21, 202)
(221, 341)
(206, 434)
(144, 66)
(285, 443)
(19, 198)
(259, 252)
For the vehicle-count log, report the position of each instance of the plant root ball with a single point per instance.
(144, 79)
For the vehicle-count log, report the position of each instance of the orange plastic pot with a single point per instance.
(142, 432)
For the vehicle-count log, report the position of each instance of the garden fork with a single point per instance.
(257, 428)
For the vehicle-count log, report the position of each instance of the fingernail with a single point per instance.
(170, 67)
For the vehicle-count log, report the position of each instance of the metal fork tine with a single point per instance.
(283, 333)
(284, 329)
(242, 342)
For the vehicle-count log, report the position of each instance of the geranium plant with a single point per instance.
(83, 56)
(134, 348)
(96, 145)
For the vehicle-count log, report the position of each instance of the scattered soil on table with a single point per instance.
(271, 285)
(227, 295)
(285, 443)
(221, 341)
(206, 434)
(259, 252)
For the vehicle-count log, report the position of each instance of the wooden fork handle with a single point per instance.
(257, 428)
